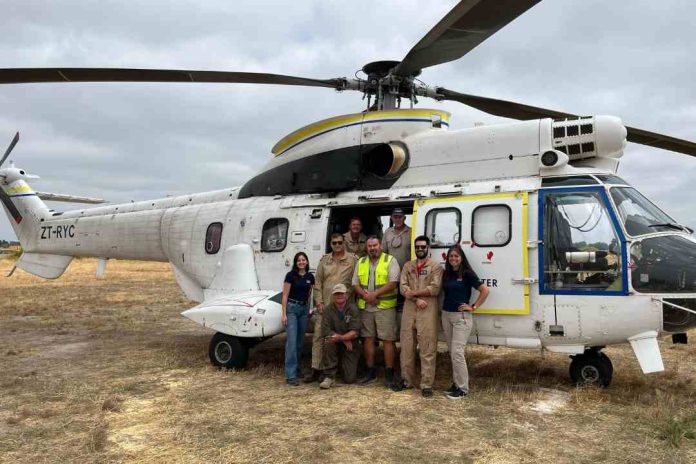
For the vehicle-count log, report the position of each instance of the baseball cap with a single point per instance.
(338, 288)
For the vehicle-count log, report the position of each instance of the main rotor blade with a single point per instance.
(40, 75)
(468, 24)
(514, 110)
(10, 148)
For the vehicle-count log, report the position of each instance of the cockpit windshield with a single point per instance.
(639, 215)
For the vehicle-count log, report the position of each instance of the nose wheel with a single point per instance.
(591, 368)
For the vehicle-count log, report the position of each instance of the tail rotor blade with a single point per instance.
(10, 148)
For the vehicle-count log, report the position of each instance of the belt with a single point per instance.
(298, 302)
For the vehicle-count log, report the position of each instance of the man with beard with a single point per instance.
(375, 280)
(421, 280)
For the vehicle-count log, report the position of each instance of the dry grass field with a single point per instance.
(106, 370)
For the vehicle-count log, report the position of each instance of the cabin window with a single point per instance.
(213, 236)
(582, 250)
(443, 227)
(491, 225)
(275, 234)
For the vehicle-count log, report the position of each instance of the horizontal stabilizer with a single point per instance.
(44, 265)
(69, 198)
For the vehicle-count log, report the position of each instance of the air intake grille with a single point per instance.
(575, 137)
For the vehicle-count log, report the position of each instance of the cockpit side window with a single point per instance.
(581, 246)
(638, 214)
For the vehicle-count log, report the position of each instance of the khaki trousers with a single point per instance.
(457, 327)
(317, 343)
(337, 353)
(419, 328)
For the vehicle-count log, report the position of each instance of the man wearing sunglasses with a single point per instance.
(421, 280)
(334, 268)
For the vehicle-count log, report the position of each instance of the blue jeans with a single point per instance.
(297, 325)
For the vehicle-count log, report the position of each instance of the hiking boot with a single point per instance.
(370, 376)
(457, 394)
(293, 382)
(326, 383)
(427, 393)
(312, 377)
(400, 386)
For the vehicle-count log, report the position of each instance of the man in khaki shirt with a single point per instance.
(397, 239)
(356, 241)
(334, 268)
(397, 242)
(421, 280)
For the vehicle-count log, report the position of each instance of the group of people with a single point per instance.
(368, 290)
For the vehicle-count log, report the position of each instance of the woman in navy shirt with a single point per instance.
(297, 293)
(457, 321)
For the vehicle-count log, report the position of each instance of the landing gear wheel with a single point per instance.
(591, 368)
(228, 351)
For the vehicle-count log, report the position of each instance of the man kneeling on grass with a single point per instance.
(340, 326)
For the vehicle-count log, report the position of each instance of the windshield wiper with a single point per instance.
(672, 225)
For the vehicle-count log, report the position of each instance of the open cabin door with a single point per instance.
(492, 231)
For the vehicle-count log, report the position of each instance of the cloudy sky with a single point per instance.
(127, 142)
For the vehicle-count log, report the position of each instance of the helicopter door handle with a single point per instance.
(525, 281)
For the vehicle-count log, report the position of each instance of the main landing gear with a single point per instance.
(591, 368)
(229, 352)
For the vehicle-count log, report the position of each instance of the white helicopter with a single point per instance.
(576, 258)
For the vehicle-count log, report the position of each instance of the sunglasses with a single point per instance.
(337, 243)
(420, 247)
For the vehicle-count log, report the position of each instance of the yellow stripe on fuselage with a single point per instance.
(333, 123)
(21, 189)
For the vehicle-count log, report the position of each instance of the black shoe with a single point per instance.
(458, 394)
(400, 386)
(293, 382)
(389, 376)
(369, 377)
(452, 388)
(313, 376)
(427, 393)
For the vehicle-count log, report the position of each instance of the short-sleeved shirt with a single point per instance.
(457, 290)
(300, 285)
(398, 244)
(340, 322)
(393, 274)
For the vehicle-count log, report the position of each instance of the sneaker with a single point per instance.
(451, 388)
(400, 386)
(312, 377)
(293, 382)
(326, 383)
(457, 394)
(369, 377)
(427, 393)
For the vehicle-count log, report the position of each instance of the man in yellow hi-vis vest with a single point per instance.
(375, 281)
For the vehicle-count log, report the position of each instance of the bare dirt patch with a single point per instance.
(106, 370)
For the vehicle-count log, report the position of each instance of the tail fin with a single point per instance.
(26, 211)
(22, 205)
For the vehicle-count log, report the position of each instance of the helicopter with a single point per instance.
(544, 220)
